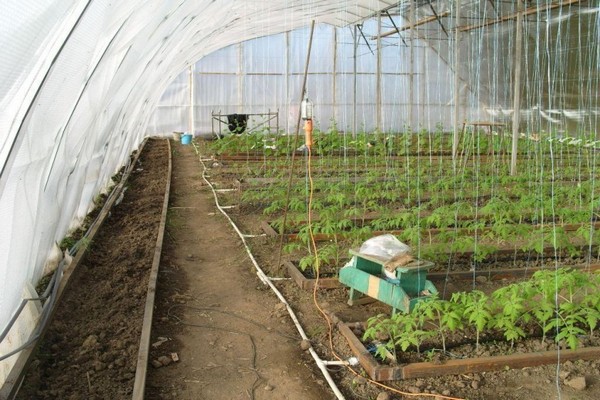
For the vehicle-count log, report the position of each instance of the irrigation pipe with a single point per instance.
(267, 281)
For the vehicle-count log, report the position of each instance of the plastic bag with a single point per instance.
(392, 252)
(385, 247)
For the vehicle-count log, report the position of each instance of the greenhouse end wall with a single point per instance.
(412, 80)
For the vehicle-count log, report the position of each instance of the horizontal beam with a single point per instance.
(510, 17)
(405, 28)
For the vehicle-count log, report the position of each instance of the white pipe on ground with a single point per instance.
(267, 281)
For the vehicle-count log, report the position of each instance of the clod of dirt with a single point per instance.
(269, 388)
(280, 310)
(359, 380)
(165, 360)
(475, 385)
(305, 344)
(577, 383)
(564, 374)
(99, 365)
(383, 396)
(90, 342)
(156, 364)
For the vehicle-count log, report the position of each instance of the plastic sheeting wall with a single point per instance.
(79, 81)
(266, 74)
(560, 78)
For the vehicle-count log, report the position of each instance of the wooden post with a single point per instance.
(412, 66)
(296, 135)
(517, 88)
(192, 124)
(287, 82)
(354, 84)
(378, 76)
(240, 72)
(456, 82)
(334, 87)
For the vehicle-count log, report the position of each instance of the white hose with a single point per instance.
(267, 281)
(350, 361)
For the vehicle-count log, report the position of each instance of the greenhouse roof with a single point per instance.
(80, 80)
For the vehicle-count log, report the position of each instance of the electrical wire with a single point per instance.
(324, 314)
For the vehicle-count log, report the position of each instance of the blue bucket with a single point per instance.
(186, 139)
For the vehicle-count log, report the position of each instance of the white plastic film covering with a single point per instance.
(417, 78)
(79, 83)
(265, 74)
(82, 83)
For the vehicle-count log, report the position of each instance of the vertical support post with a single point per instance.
(192, 122)
(334, 86)
(378, 77)
(240, 74)
(456, 80)
(423, 77)
(517, 88)
(354, 84)
(295, 145)
(411, 88)
(287, 82)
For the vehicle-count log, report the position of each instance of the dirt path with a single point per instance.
(232, 340)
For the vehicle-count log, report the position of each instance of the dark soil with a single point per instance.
(90, 349)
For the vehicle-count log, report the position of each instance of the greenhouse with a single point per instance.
(300, 199)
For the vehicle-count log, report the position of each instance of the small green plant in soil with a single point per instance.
(562, 303)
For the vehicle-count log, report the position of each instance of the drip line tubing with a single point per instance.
(322, 364)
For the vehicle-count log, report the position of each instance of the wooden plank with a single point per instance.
(296, 275)
(376, 371)
(268, 229)
(407, 27)
(380, 372)
(497, 363)
(309, 283)
(139, 384)
(529, 11)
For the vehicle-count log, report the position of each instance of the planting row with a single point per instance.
(560, 304)
(334, 142)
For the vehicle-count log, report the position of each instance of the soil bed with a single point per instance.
(90, 349)
(463, 357)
